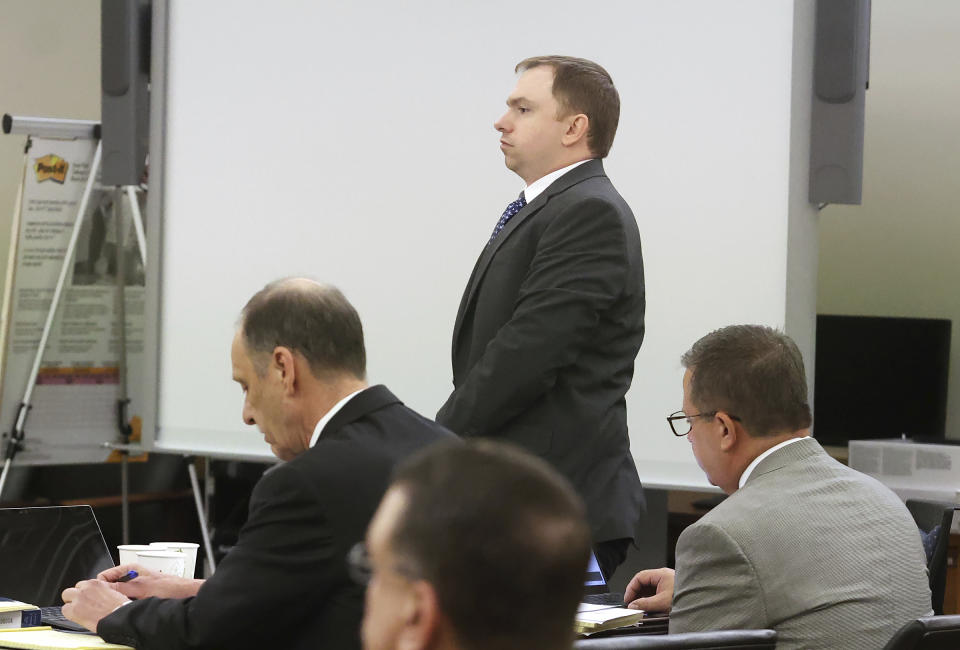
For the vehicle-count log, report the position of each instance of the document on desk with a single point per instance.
(593, 607)
(598, 620)
(45, 638)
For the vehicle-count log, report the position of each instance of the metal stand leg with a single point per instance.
(3, 474)
(125, 497)
(207, 546)
(120, 265)
(137, 223)
(209, 488)
(8, 292)
(120, 309)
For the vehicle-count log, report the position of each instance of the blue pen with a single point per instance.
(128, 576)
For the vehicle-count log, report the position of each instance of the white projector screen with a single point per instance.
(354, 143)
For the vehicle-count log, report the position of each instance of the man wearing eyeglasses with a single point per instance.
(478, 545)
(824, 555)
(299, 358)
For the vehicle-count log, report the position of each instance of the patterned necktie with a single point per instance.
(511, 210)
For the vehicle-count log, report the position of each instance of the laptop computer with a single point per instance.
(45, 550)
(595, 588)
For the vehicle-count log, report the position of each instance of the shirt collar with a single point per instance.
(317, 430)
(534, 189)
(756, 461)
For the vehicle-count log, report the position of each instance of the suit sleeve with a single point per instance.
(285, 561)
(716, 586)
(577, 272)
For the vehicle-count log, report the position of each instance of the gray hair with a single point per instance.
(310, 318)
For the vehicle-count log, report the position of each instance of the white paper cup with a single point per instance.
(189, 550)
(168, 562)
(128, 552)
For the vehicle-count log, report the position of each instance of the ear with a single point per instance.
(731, 431)
(421, 617)
(577, 127)
(283, 363)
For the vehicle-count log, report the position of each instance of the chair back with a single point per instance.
(934, 518)
(927, 633)
(717, 640)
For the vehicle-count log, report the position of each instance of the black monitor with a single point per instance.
(880, 377)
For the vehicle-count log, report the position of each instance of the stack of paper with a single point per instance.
(589, 621)
(14, 613)
(44, 638)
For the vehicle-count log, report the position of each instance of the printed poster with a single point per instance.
(74, 403)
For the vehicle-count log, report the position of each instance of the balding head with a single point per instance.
(310, 318)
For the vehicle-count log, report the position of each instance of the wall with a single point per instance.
(896, 255)
(51, 68)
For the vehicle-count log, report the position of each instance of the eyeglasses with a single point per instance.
(677, 418)
(358, 564)
(360, 568)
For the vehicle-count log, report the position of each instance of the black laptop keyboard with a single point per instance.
(615, 600)
(53, 617)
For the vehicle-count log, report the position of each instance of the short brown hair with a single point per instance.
(582, 86)
(315, 320)
(754, 372)
(503, 539)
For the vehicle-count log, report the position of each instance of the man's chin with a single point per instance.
(281, 452)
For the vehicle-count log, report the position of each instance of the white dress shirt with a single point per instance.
(531, 191)
(326, 418)
(756, 461)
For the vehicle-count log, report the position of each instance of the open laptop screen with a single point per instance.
(595, 582)
(45, 550)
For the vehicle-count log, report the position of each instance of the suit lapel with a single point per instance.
(587, 170)
(367, 401)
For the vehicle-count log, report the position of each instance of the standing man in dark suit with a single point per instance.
(299, 357)
(552, 318)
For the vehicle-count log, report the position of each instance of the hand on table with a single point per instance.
(89, 601)
(651, 590)
(149, 583)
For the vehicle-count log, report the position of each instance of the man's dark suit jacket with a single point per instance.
(546, 336)
(285, 584)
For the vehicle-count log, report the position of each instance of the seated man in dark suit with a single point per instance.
(474, 546)
(826, 556)
(299, 357)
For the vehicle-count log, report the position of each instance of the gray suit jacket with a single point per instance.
(824, 555)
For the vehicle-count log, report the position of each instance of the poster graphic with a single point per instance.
(74, 404)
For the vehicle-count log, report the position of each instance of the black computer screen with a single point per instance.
(45, 550)
(880, 377)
